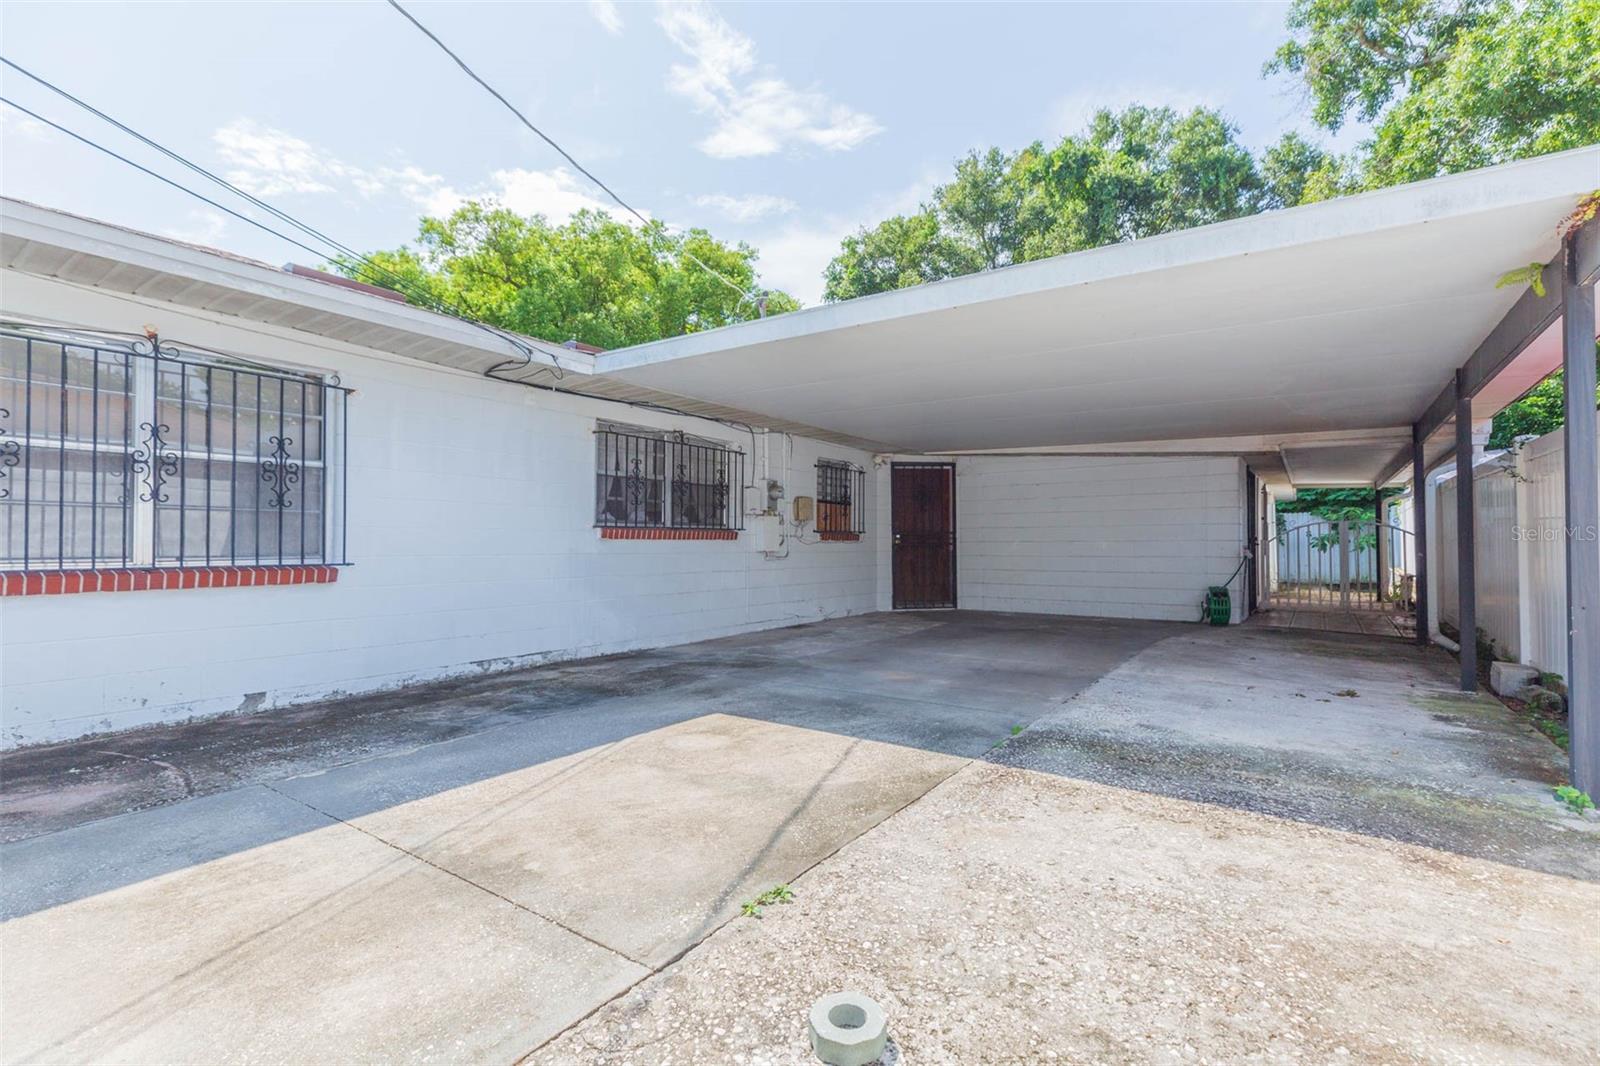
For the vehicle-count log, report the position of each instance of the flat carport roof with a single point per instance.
(1293, 327)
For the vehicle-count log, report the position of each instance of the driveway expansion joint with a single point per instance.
(464, 880)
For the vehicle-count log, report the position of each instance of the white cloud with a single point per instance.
(271, 162)
(13, 121)
(1071, 113)
(747, 208)
(605, 12)
(756, 112)
(556, 194)
(202, 225)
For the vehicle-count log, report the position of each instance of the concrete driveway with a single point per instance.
(553, 862)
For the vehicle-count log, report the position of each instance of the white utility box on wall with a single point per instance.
(766, 532)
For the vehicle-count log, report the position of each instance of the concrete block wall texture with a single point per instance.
(1104, 536)
(471, 513)
(1097, 536)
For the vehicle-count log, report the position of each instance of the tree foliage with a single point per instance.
(1133, 173)
(1542, 410)
(1448, 86)
(1334, 505)
(1359, 55)
(592, 278)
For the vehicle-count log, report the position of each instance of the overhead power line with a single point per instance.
(377, 270)
(492, 372)
(160, 177)
(547, 139)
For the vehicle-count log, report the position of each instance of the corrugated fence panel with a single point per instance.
(1521, 553)
(1443, 559)
(1545, 552)
(1495, 504)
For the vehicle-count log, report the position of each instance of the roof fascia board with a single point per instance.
(87, 237)
(1455, 195)
(1241, 445)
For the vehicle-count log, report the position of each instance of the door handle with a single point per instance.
(897, 538)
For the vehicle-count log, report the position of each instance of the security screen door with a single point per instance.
(924, 530)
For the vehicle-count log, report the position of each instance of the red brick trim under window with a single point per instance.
(54, 582)
(829, 534)
(653, 533)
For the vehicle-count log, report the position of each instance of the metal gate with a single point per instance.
(1348, 564)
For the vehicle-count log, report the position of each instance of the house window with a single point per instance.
(141, 456)
(841, 492)
(648, 479)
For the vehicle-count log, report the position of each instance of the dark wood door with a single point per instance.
(924, 529)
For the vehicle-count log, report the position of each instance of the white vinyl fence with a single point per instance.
(1521, 547)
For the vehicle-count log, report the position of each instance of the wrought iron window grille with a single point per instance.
(666, 480)
(139, 455)
(841, 497)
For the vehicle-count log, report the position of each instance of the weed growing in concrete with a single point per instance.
(1015, 730)
(1347, 693)
(1574, 798)
(751, 908)
(1554, 730)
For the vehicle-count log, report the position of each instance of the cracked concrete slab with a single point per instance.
(835, 675)
(1015, 915)
(1350, 732)
(1192, 852)
(647, 844)
(328, 945)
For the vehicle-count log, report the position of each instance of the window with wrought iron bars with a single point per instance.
(841, 495)
(647, 478)
(137, 455)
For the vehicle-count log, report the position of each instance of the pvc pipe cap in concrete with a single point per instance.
(848, 1029)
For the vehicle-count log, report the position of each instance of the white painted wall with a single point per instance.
(470, 529)
(1101, 536)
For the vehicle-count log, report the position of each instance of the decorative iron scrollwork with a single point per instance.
(719, 493)
(279, 472)
(636, 486)
(683, 496)
(10, 454)
(152, 460)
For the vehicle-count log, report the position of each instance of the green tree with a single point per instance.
(1449, 86)
(1132, 173)
(979, 211)
(1523, 81)
(1135, 173)
(592, 278)
(1294, 171)
(1542, 410)
(897, 252)
(1359, 55)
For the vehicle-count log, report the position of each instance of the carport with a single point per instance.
(1352, 342)
(1023, 834)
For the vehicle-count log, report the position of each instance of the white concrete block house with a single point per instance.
(262, 486)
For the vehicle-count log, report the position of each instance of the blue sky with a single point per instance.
(786, 125)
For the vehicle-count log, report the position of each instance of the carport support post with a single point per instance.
(1583, 526)
(1380, 550)
(1466, 542)
(1419, 531)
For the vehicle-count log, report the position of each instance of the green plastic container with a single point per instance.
(1219, 605)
